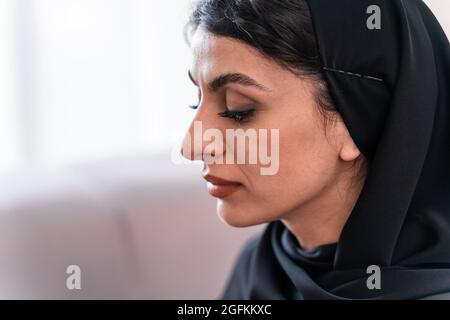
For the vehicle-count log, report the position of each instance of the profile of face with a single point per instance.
(315, 162)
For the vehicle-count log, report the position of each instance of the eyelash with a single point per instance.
(238, 116)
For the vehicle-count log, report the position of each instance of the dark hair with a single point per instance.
(281, 30)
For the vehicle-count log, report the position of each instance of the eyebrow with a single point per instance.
(228, 78)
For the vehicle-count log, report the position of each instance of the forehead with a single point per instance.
(213, 55)
(209, 47)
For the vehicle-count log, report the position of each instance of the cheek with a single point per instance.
(307, 162)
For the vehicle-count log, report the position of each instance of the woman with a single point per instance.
(359, 207)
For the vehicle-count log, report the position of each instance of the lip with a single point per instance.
(221, 188)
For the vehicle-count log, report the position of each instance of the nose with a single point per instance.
(194, 146)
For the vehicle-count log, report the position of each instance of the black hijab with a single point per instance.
(391, 87)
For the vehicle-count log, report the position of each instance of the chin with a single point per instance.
(238, 217)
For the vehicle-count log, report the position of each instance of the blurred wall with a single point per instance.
(441, 9)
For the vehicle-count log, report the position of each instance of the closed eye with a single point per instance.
(238, 116)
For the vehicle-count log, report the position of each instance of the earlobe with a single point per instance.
(349, 151)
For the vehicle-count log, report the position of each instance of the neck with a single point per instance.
(321, 220)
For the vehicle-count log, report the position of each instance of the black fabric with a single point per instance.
(391, 87)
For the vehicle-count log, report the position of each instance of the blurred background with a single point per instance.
(93, 103)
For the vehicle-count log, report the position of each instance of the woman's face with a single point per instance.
(311, 160)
